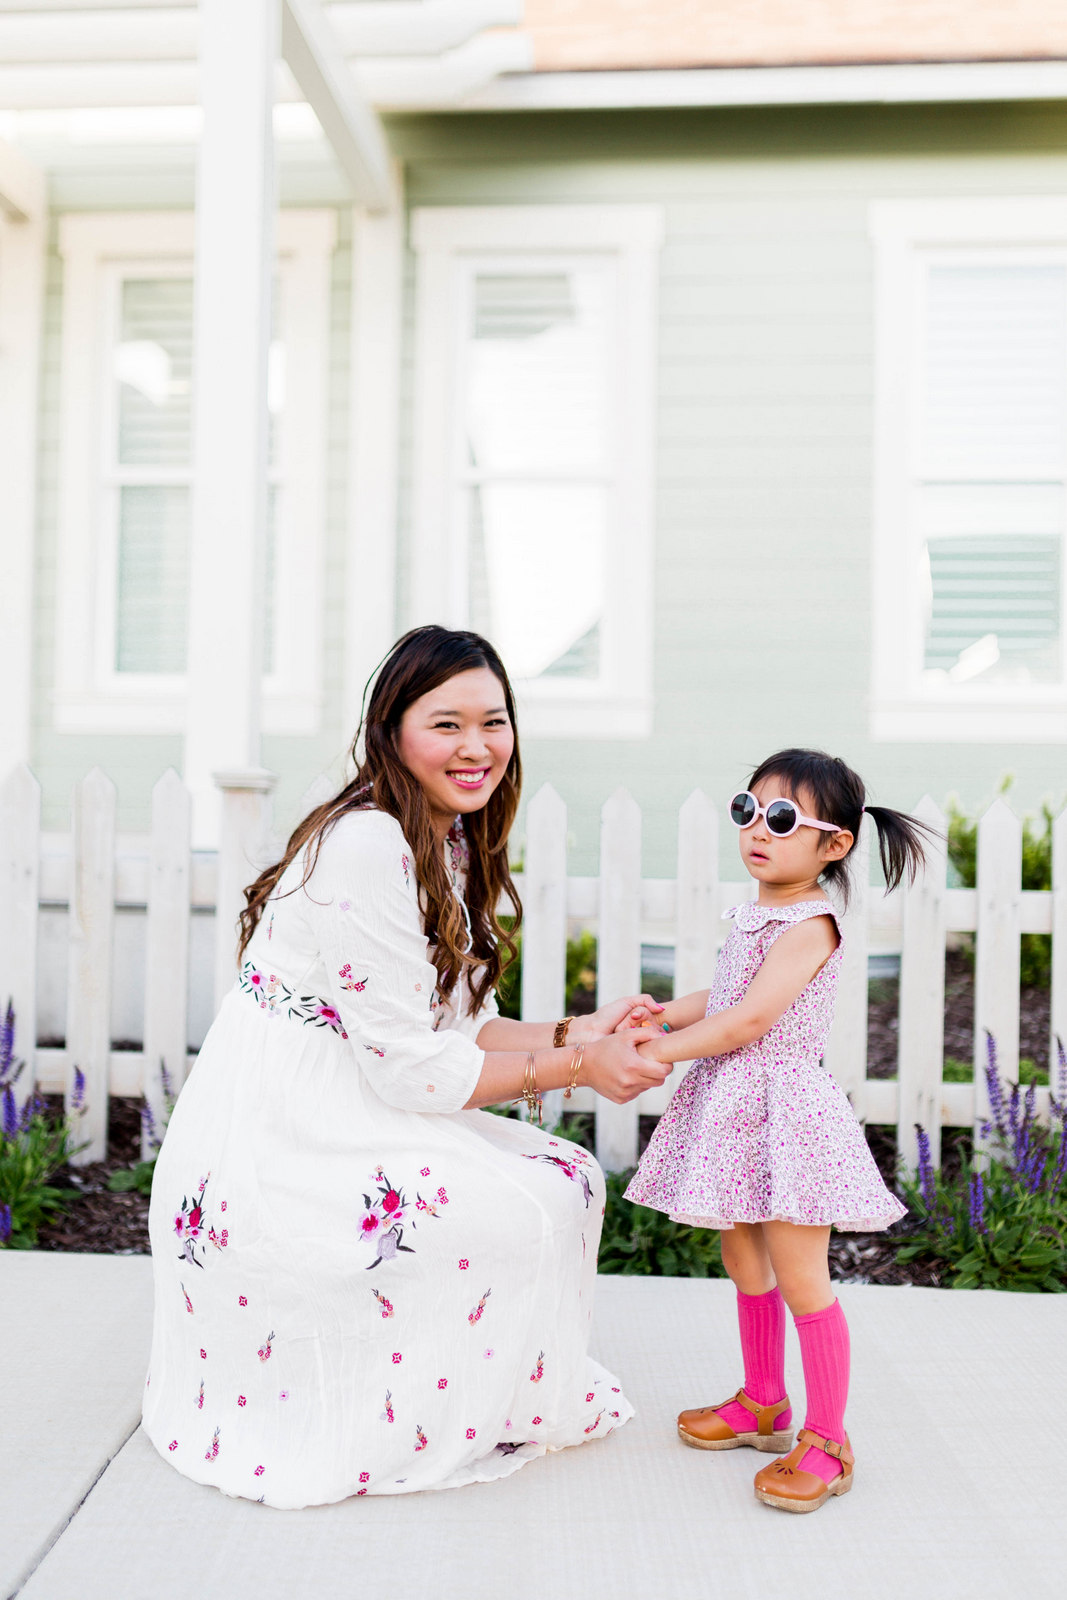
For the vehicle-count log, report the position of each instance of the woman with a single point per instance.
(364, 1285)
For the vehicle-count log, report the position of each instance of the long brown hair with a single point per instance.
(418, 663)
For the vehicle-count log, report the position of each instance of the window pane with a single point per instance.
(153, 366)
(537, 575)
(537, 372)
(153, 579)
(995, 399)
(994, 608)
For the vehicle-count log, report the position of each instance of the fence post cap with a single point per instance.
(256, 779)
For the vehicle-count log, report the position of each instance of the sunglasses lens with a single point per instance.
(781, 816)
(743, 809)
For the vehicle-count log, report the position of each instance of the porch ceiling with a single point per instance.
(58, 55)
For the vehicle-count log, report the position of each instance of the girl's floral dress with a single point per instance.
(362, 1288)
(765, 1133)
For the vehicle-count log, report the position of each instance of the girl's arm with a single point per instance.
(678, 1013)
(789, 966)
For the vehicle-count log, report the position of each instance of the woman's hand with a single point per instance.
(615, 1068)
(605, 1020)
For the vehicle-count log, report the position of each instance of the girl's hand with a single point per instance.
(584, 1030)
(618, 1070)
(639, 1017)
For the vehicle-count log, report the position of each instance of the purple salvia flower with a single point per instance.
(977, 1202)
(148, 1123)
(164, 1078)
(5, 1224)
(11, 1113)
(77, 1099)
(926, 1173)
(7, 1040)
(992, 1078)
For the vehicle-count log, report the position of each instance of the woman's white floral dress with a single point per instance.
(362, 1288)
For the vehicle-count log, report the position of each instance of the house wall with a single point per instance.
(764, 449)
(762, 599)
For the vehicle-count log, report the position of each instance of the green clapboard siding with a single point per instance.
(764, 450)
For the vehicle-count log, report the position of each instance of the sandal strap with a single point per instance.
(840, 1452)
(766, 1416)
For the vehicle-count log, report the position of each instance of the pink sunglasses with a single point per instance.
(783, 816)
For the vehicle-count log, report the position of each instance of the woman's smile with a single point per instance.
(469, 778)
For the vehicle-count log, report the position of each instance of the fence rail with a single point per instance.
(94, 874)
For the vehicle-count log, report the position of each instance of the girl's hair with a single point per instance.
(418, 663)
(838, 796)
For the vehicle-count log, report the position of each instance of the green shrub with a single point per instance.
(640, 1242)
(34, 1145)
(580, 978)
(1035, 948)
(1000, 1223)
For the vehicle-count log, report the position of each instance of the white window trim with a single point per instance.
(89, 695)
(441, 237)
(903, 709)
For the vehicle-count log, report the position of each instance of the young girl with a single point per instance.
(759, 1140)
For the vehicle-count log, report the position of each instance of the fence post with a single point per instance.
(921, 1040)
(544, 935)
(92, 921)
(618, 956)
(1058, 1028)
(20, 856)
(166, 988)
(996, 962)
(243, 838)
(846, 1052)
(698, 901)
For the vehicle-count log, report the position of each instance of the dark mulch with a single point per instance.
(99, 1221)
(882, 1022)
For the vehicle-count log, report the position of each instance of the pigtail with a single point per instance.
(900, 844)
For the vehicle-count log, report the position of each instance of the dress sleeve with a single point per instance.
(470, 1027)
(362, 904)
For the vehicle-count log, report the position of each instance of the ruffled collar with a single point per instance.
(750, 917)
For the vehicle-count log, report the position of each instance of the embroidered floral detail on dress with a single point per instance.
(213, 1448)
(188, 1302)
(442, 1383)
(594, 1425)
(539, 1370)
(358, 984)
(405, 867)
(420, 1438)
(275, 996)
(200, 1397)
(397, 1358)
(259, 1473)
(386, 1305)
(242, 1300)
(385, 1218)
(572, 1169)
(173, 1445)
(241, 1400)
(373, 1048)
(264, 1350)
(189, 1228)
(387, 1414)
(476, 1315)
(471, 1432)
(364, 1477)
(535, 1420)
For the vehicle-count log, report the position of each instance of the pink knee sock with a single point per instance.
(761, 1319)
(824, 1350)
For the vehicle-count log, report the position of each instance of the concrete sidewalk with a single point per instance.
(951, 1499)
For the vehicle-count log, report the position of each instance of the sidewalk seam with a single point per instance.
(57, 1534)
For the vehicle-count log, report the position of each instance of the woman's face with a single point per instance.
(457, 741)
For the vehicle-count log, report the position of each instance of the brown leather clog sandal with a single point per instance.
(784, 1485)
(704, 1428)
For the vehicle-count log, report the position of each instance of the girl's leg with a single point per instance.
(761, 1323)
(799, 1258)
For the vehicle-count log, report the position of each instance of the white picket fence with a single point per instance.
(160, 873)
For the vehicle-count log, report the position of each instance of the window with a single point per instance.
(126, 470)
(534, 423)
(971, 476)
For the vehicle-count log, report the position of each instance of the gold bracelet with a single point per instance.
(559, 1038)
(576, 1067)
(529, 1090)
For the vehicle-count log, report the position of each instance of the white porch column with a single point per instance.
(239, 45)
(377, 292)
(22, 231)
